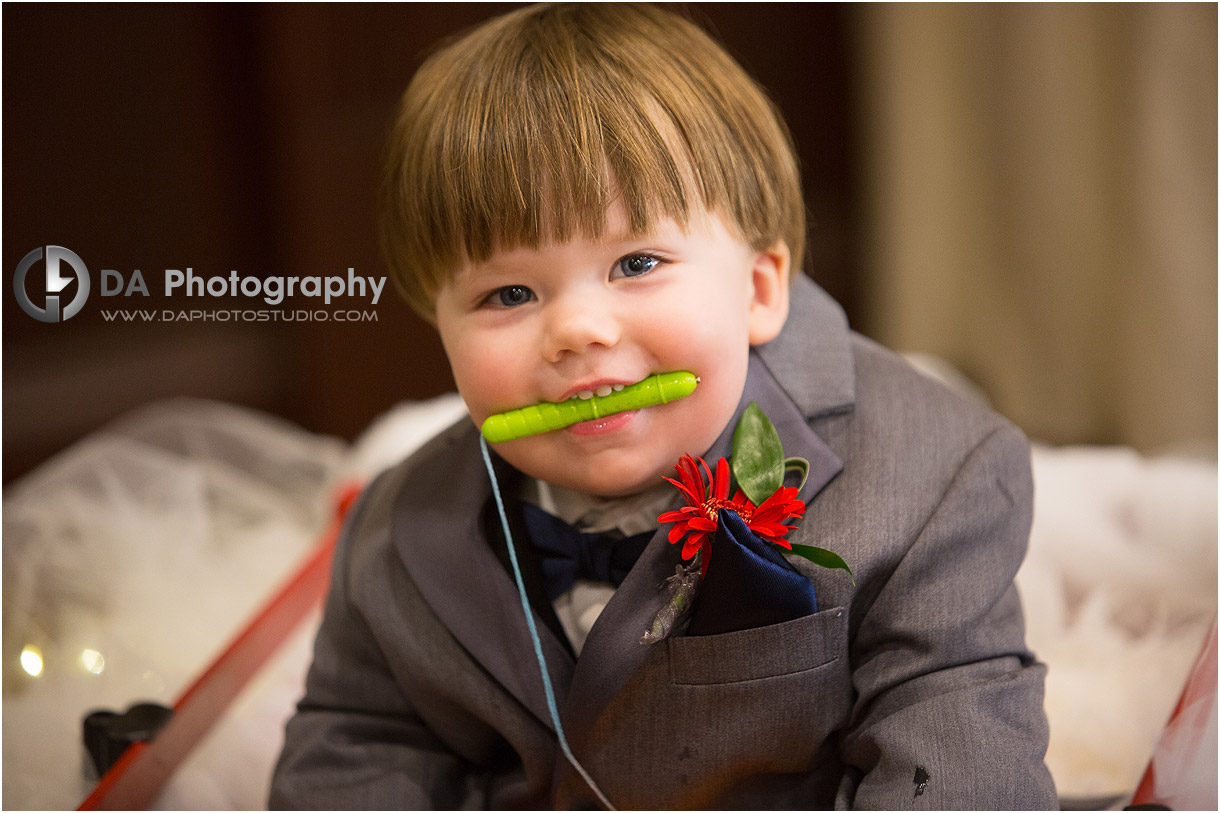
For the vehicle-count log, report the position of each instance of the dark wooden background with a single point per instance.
(248, 137)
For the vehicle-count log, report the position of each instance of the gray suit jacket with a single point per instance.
(911, 689)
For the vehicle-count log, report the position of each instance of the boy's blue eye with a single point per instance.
(635, 265)
(510, 296)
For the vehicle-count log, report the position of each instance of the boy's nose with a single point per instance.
(578, 326)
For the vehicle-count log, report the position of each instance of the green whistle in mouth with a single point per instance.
(547, 417)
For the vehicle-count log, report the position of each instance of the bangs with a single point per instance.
(527, 162)
(528, 130)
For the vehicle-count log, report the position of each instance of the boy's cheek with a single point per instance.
(488, 375)
(476, 384)
(484, 395)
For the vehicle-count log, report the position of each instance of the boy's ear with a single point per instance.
(769, 302)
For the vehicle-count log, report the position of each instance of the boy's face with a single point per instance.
(531, 325)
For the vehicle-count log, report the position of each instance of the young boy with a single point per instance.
(581, 197)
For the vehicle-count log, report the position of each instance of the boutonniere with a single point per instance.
(755, 477)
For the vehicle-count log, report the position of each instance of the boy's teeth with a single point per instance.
(603, 391)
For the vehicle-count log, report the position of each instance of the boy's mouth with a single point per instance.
(589, 405)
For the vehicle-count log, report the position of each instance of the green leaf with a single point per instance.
(758, 456)
(799, 465)
(823, 558)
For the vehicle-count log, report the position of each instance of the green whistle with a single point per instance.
(547, 417)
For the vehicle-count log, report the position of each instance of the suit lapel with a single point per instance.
(811, 360)
(444, 547)
(612, 650)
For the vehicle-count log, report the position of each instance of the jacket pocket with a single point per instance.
(777, 649)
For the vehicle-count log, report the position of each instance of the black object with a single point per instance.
(921, 780)
(108, 733)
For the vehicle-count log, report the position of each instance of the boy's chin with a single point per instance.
(601, 481)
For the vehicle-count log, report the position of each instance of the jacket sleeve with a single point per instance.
(355, 741)
(950, 702)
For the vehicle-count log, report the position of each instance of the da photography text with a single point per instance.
(272, 289)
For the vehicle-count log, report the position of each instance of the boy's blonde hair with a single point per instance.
(526, 129)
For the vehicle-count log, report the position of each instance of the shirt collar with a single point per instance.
(632, 514)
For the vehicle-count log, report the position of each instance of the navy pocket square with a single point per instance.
(748, 584)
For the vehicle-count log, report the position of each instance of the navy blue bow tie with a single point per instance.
(567, 554)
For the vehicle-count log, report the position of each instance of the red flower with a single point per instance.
(767, 520)
(698, 518)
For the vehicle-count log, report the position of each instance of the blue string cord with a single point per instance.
(529, 620)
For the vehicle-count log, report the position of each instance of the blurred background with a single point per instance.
(1028, 192)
